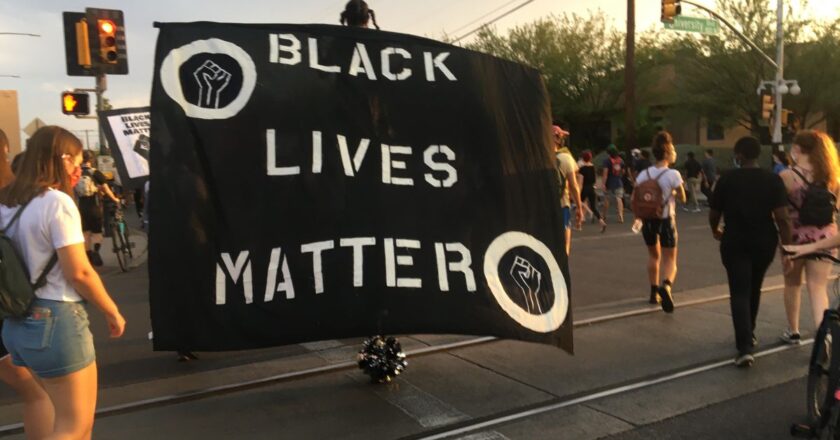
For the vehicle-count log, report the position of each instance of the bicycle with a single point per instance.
(120, 238)
(823, 389)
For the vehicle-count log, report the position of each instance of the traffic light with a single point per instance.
(768, 104)
(107, 40)
(788, 117)
(75, 103)
(670, 9)
(107, 33)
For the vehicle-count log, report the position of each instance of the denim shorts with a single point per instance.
(53, 340)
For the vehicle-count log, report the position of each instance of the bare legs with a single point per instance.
(816, 279)
(38, 413)
(74, 398)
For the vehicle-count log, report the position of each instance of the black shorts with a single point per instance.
(662, 230)
(91, 217)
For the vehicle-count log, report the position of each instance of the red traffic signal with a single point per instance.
(75, 103)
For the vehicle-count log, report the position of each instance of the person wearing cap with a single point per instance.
(612, 184)
(567, 170)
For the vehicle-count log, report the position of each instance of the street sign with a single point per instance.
(705, 26)
(33, 126)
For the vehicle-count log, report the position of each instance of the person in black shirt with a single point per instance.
(753, 202)
(89, 191)
(693, 177)
(587, 189)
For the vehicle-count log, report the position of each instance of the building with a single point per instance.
(10, 120)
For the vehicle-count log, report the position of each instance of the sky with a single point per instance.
(40, 61)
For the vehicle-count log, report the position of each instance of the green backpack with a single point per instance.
(16, 292)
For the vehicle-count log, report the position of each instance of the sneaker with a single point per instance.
(744, 360)
(654, 298)
(95, 258)
(666, 297)
(696, 210)
(791, 338)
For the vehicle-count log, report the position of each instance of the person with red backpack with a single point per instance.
(654, 202)
(612, 183)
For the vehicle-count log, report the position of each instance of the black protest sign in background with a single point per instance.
(313, 182)
(127, 132)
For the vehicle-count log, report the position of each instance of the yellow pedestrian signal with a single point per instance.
(107, 41)
(75, 103)
(768, 104)
(670, 9)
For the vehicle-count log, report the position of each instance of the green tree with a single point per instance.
(718, 75)
(581, 59)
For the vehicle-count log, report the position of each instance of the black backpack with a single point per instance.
(16, 292)
(818, 204)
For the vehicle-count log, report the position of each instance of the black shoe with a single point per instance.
(95, 258)
(744, 360)
(654, 298)
(667, 299)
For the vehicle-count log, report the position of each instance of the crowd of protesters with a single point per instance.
(752, 211)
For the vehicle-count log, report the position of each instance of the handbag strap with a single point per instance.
(15, 217)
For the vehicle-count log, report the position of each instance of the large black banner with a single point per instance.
(312, 182)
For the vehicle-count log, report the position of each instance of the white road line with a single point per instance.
(487, 435)
(322, 345)
(602, 394)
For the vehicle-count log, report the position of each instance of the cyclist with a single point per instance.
(89, 192)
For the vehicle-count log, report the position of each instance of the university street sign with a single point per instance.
(705, 26)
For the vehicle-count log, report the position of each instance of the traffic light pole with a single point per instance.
(101, 86)
(779, 85)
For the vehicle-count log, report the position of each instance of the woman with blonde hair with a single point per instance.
(813, 186)
(53, 340)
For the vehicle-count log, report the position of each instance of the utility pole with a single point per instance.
(630, 78)
(780, 71)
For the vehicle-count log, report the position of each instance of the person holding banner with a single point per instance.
(53, 341)
(357, 14)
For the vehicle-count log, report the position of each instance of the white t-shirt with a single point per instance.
(51, 221)
(670, 180)
(568, 167)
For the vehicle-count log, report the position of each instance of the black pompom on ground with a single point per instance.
(382, 359)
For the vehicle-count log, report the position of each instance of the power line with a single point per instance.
(456, 30)
(525, 3)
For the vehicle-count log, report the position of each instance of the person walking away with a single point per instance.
(567, 170)
(710, 174)
(613, 186)
(88, 189)
(813, 185)
(641, 164)
(694, 174)
(753, 202)
(781, 161)
(38, 411)
(587, 188)
(53, 341)
(659, 226)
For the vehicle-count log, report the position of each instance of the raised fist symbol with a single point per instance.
(528, 279)
(211, 79)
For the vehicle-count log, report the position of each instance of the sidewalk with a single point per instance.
(482, 381)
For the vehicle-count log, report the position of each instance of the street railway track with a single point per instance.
(458, 428)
